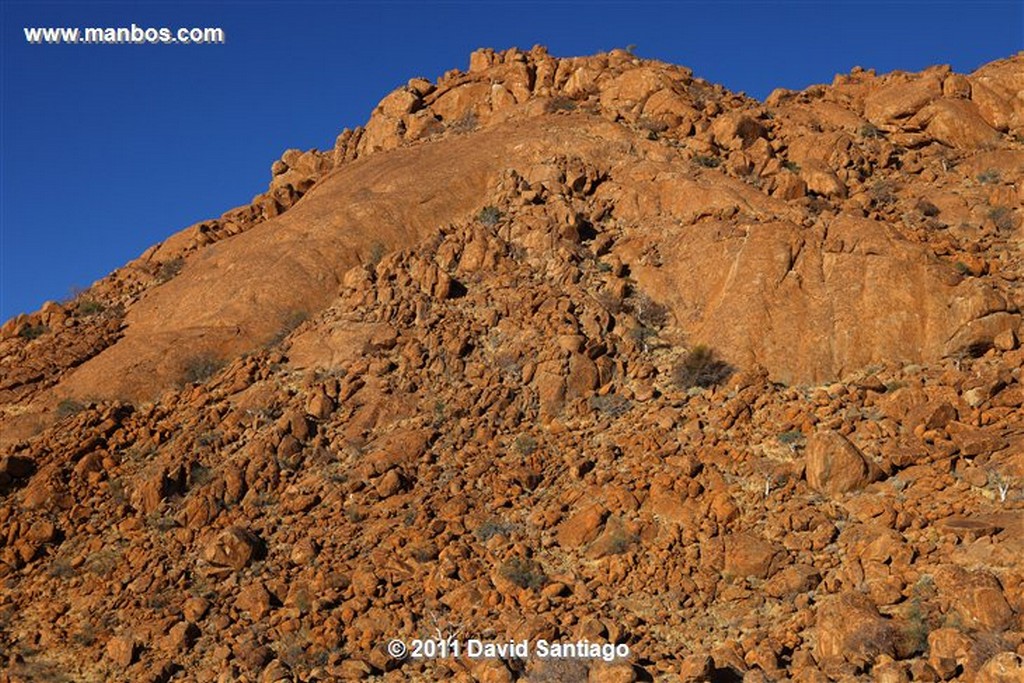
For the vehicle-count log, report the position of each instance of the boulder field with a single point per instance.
(555, 350)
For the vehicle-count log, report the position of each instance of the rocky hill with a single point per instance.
(563, 349)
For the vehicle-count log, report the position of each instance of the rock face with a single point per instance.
(567, 349)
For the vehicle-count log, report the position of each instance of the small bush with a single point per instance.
(377, 252)
(914, 631)
(492, 528)
(169, 269)
(791, 437)
(988, 176)
(200, 368)
(649, 312)
(440, 413)
(61, 568)
(467, 123)
(103, 562)
(654, 127)
(30, 332)
(87, 307)
(1001, 217)
(68, 407)
(489, 216)
(612, 405)
(523, 573)
(927, 208)
(707, 161)
(791, 166)
(883, 193)
(559, 103)
(288, 325)
(700, 368)
(642, 335)
(525, 444)
(870, 131)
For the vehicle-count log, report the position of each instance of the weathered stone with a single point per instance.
(851, 630)
(835, 466)
(582, 528)
(255, 600)
(747, 555)
(1004, 667)
(233, 548)
(121, 651)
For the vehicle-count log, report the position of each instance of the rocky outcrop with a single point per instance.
(573, 349)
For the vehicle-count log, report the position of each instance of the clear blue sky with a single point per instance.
(107, 150)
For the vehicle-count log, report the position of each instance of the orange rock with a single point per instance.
(233, 548)
(835, 466)
(121, 651)
(851, 630)
(582, 528)
(1004, 667)
(897, 101)
(956, 123)
(747, 555)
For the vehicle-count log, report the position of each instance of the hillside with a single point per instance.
(552, 349)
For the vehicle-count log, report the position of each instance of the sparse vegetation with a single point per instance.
(525, 444)
(103, 562)
(30, 332)
(988, 176)
(489, 216)
(1001, 217)
(60, 568)
(883, 193)
(288, 325)
(117, 492)
(1001, 484)
(68, 407)
(169, 269)
(915, 630)
(492, 528)
(648, 312)
(653, 127)
(200, 368)
(560, 103)
(642, 335)
(199, 475)
(440, 413)
(927, 208)
(612, 405)
(791, 166)
(377, 251)
(85, 636)
(355, 514)
(619, 540)
(524, 573)
(870, 131)
(707, 161)
(87, 307)
(700, 367)
(465, 124)
(791, 438)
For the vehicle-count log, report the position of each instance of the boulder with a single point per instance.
(836, 466)
(850, 630)
(233, 548)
